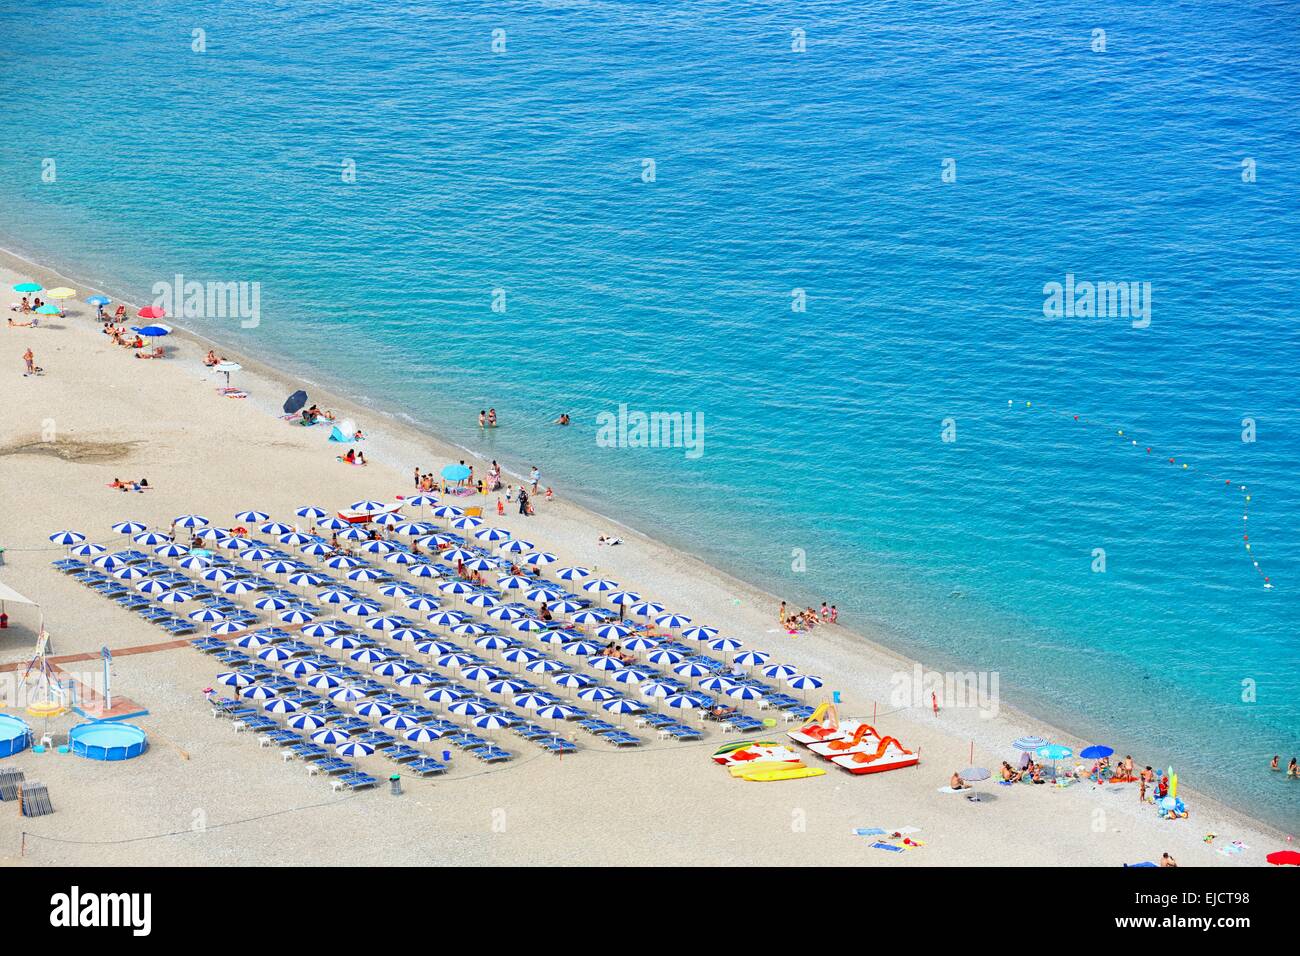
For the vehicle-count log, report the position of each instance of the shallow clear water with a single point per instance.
(775, 171)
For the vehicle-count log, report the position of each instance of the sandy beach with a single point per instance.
(204, 795)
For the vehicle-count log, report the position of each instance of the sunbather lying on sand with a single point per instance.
(141, 485)
(156, 353)
(33, 323)
(353, 457)
(609, 539)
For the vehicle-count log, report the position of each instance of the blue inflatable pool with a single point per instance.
(15, 735)
(107, 740)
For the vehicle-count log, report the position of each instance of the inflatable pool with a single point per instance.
(15, 735)
(107, 740)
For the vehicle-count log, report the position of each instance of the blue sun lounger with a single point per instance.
(491, 754)
(331, 766)
(681, 732)
(558, 745)
(467, 741)
(308, 752)
(425, 767)
(357, 780)
(402, 753)
(621, 738)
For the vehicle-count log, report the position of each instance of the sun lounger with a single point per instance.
(597, 726)
(356, 780)
(558, 745)
(330, 765)
(467, 741)
(680, 732)
(655, 720)
(491, 754)
(281, 738)
(425, 767)
(256, 724)
(621, 738)
(532, 731)
(378, 739)
(741, 724)
(306, 751)
(402, 753)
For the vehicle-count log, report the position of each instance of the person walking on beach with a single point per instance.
(29, 362)
(523, 502)
(535, 476)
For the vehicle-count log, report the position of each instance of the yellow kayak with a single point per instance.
(796, 773)
(761, 766)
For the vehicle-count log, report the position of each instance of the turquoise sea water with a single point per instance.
(774, 171)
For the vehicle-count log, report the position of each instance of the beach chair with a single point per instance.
(680, 732)
(425, 767)
(558, 745)
(402, 753)
(278, 738)
(356, 780)
(596, 726)
(468, 741)
(656, 721)
(306, 751)
(331, 766)
(256, 724)
(532, 731)
(621, 738)
(68, 565)
(740, 724)
(379, 739)
(491, 754)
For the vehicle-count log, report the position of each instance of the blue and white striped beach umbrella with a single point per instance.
(424, 571)
(456, 587)
(587, 648)
(219, 575)
(149, 538)
(471, 629)
(258, 692)
(373, 709)
(517, 546)
(455, 660)
(296, 616)
(1029, 743)
(804, 682)
(467, 708)
(389, 520)
(452, 555)
(493, 535)
(415, 679)
(529, 625)
(466, 522)
(481, 672)
(333, 524)
(447, 511)
(716, 682)
(623, 597)
(307, 579)
(642, 644)
(411, 528)
(152, 586)
(482, 600)
(542, 594)
(557, 636)
(270, 603)
(299, 668)
(320, 629)
(361, 608)
(659, 689)
(613, 632)
(228, 627)
(346, 695)
(237, 587)
(600, 585)
(389, 622)
(683, 701)
(422, 602)
(533, 700)
(206, 615)
(316, 549)
(444, 695)
(645, 608)
(354, 748)
(780, 671)
(275, 527)
(515, 582)
(591, 616)
(556, 712)
(390, 669)
(482, 564)
(572, 573)
(437, 647)
(546, 665)
(491, 722)
(130, 527)
(423, 734)
(700, 633)
(251, 517)
(235, 544)
(296, 539)
(330, 737)
(337, 596)
(692, 669)
(745, 692)
(630, 675)
(131, 573)
(398, 722)
(343, 562)
(193, 562)
(343, 642)
(367, 574)
(367, 655)
(505, 613)
(521, 655)
(411, 634)
(752, 658)
(672, 620)
(540, 559)
(190, 522)
(565, 606)
(353, 533)
(598, 694)
(88, 550)
(282, 705)
(256, 554)
(109, 562)
(67, 538)
(311, 512)
(573, 681)
(367, 505)
(212, 535)
(324, 682)
(445, 618)
(274, 654)
(236, 679)
(495, 642)
(378, 547)
(396, 589)
(170, 550)
(281, 567)
(725, 644)
(621, 705)
(301, 721)
(506, 685)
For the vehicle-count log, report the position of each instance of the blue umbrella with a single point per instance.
(153, 331)
(455, 472)
(1095, 752)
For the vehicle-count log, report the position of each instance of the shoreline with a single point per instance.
(391, 440)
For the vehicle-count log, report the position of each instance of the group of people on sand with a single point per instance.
(314, 414)
(798, 622)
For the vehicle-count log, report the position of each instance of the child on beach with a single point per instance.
(501, 508)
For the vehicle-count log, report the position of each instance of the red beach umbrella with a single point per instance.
(1284, 858)
(151, 312)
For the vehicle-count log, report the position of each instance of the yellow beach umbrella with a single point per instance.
(62, 292)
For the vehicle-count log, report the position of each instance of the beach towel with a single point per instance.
(887, 846)
(881, 831)
(951, 790)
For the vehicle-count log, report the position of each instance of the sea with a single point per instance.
(833, 236)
